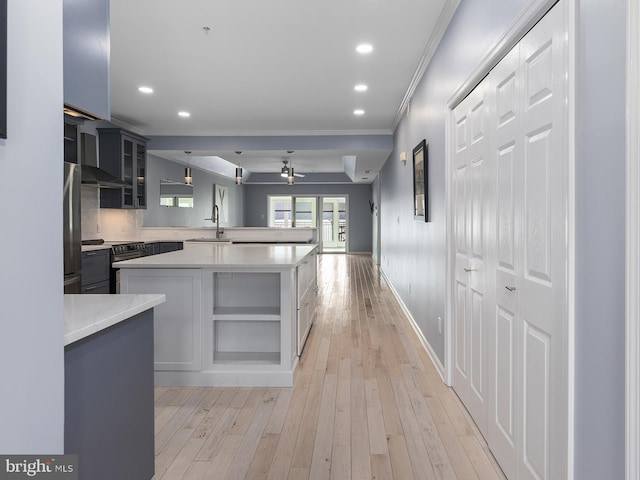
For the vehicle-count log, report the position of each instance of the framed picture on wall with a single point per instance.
(221, 199)
(420, 183)
(3, 68)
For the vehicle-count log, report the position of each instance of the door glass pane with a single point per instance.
(334, 224)
(280, 212)
(305, 214)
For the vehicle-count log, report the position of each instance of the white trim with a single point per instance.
(632, 280)
(571, 29)
(449, 242)
(427, 346)
(438, 32)
(528, 17)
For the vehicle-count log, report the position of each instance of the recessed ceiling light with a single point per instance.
(361, 88)
(364, 48)
(184, 114)
(358, 111)
(144, 89)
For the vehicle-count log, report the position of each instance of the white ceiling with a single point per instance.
(269, 68)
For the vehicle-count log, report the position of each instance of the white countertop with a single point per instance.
(85, 315)
(207, 255)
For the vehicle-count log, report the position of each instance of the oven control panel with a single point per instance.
(127, 247)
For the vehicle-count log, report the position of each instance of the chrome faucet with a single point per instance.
(215, 217)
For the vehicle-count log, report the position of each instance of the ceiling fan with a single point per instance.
(284, 172)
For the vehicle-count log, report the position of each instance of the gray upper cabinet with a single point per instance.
(124, 155)
(86, 56)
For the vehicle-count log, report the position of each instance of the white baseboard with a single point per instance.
(425, 343)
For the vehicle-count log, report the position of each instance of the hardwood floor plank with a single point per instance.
(375, 419)
(261, 462)
(279, 412)
(323, 444)
(197, 471)
(341, 455)
(399, 456)
(286, 444)
(360, 453)
(418, 454)
(224, 457)
(432, 440)
(165, 433)
(248, 410)
(367, 403)
(479, 460)
(251, 439)
(303, 451)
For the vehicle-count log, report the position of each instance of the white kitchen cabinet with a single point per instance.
(177, 324)
(306, 299)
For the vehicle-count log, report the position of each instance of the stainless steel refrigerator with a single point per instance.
(72, 229)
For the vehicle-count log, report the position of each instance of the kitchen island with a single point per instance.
(235, 315)
(108, 364)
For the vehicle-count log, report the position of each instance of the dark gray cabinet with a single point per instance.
(170, 246)
(71, 143)
(152, 248)
(108, 406)
(124, 155)
(96, 267)
(86, 56)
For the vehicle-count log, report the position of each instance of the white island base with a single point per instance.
(238, 316)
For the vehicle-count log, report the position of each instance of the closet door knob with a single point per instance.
(511, 289)
(469, 270)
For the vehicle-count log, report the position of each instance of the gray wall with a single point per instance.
(600, 255)
(158, 216)
(413, 253)
(360, 223)
(31, 300)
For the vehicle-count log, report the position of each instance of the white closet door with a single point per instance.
(507, 147)
(510, 217)
(527, 429)
(542, 287)
(469, 183)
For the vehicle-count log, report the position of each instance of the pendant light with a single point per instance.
(238, 171)
(188, 178)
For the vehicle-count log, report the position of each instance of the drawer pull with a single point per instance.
(469, 270)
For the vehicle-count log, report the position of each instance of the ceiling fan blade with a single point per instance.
(298, 174)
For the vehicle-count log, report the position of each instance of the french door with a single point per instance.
(328, 214)
(334, 224)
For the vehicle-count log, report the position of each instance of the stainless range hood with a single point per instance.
(92, 176)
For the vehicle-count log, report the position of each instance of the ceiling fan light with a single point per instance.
(238, 176)
(188, 179)
(290, 178)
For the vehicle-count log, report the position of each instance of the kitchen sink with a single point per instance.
(209, 240)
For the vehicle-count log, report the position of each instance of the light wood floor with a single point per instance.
(368, 403)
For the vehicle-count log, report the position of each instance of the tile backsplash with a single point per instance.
(107, 223)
